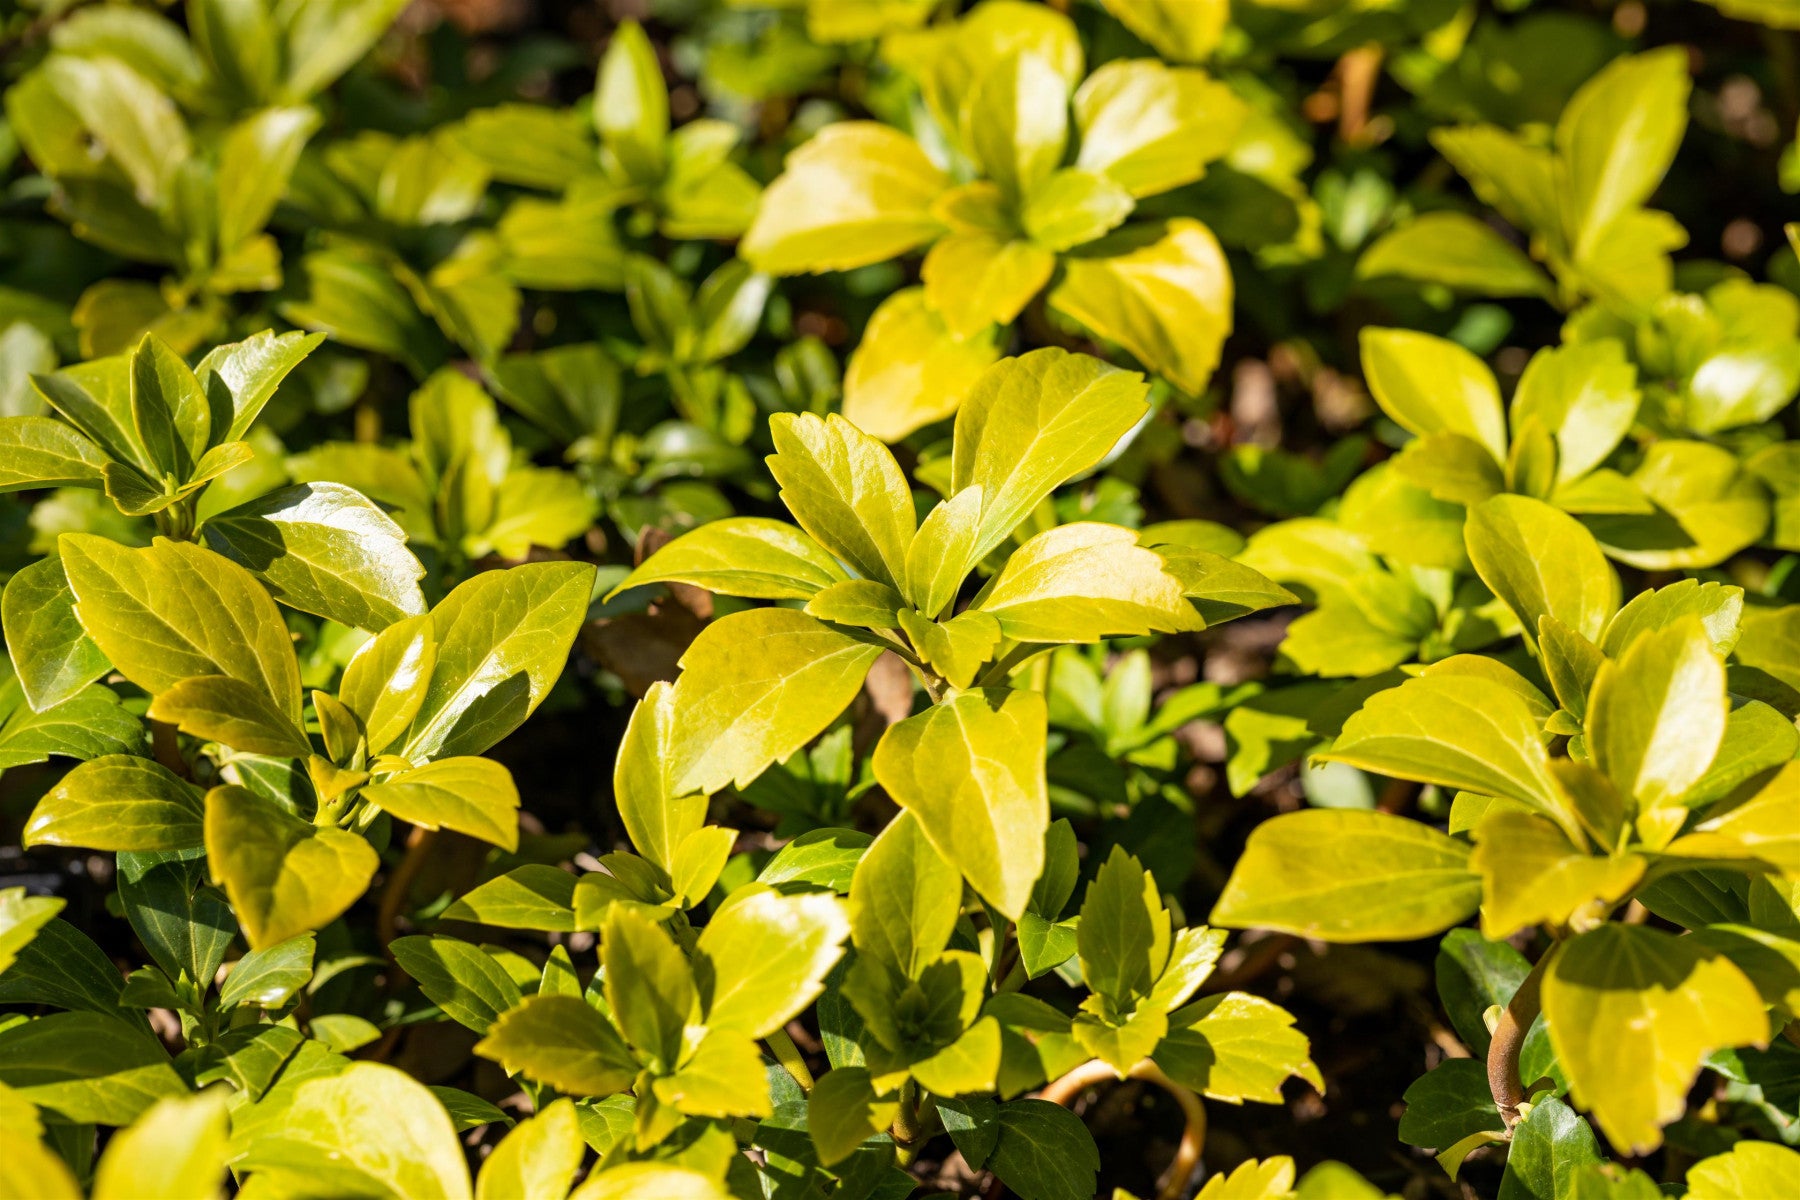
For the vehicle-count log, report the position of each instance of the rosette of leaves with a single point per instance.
(457, 486)
(173, 148)
(1621, 768)
(1680, 502)
(1581, 200)
(615, 155)
(980, 179)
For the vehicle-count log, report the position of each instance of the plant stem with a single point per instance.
(1509, 1038)
(907, 1129)
(1174, 1182)
(789, 1056)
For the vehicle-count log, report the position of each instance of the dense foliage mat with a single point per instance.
(783, 599)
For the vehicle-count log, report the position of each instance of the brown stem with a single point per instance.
(399, 882)
(1174, 1182)
(1509, 1039)
(167, 749)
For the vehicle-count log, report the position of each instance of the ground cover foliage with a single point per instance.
(881, 598)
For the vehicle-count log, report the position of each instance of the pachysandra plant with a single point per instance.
(981, 181)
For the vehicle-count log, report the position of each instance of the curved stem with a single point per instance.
(1174, 1181)
(1509, 1038)
(399, 882)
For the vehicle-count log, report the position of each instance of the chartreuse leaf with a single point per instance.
(977, 278)
(463, 980)
(385, 683)
(269, 977)
(529, 897)
(941, 552)
(326, 549)
(1016, 122)
(53, 656)
(283, 875)
(368, 1128)
(1763, 829)
(240, 378)
(1163, 291)
(21, 917)
(843, 1112)
(1718, 606)
(172, 611)
(119, 802)
(1431, 385)
(656, 819)
(860, 602)
(471, 795)
(1452, 467)
(40, 452)
(1632, 1013)
(743, 556)
(169, 410)
(537, 1159)
(1150, 128)
(846, 490)
(1541, 562)
(1616, 138)
(909, 369)
(1086, 581)
(1124, 935)
(763, 959)
(957, 648)
(28, 1167)
(855, 193)
(1235, 1047)
(221, 709)
(175, 1151)
(1031, 424)
(631, 105)
(561, 1041)
(1457, 250)
(1349, 876)
(904, 899)
(502, 638)
(1748, 1169)
(627, 1181)
(972, 771)
(1531, 874)
(649, 986)
(757, 686)
(1586, 395)
(1657, 714)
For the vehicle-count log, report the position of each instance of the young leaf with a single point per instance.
(1531, 874)
(1350, 877)
(385, 683)
(972, 771)
(846, 490)
(222, 709)
(763, 959)
(538, 1158)
(1618, 136)
(1150, 128)
(268, 978)
(529, 897)
(1086, 581)
(843, 1112)
(649, 987)
(1657, 715)
(38, 452)
(174, 1151)
(631, 105)
(909, 369)
(1431, 385)
(743, 556)
(561, 1041)
(284, 876)
(1124, 935)
(1541, 562)
(1235, 1047)
(656, 819)
(904, 899)
(461, 979)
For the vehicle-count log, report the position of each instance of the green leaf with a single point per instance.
(370, 1128)
(755, 687)
(175, 1149)
(1458, 251)
(502, 640)
(846, 490)
(1084, 582)
(1179, 30)
(53, 656)
(385, 683)
(972, 771)
(743, 556)
(1586, 395)
(1031, 424)
(843, 1112)
(1657, 715)
(118, 802)
(1044, 1152)
(855, 193)
(1016, 122)
(1541, 562)
(1235, 1047)
(1459, 731)
(1149, 127)
(470, 795)
(268, 978)
(172, 611)
(1163, 291)
(87, 1067)
(764, 957)
(1430, 385)
(904, 899)
(1632, 1013)
(528, 897)
(909, 369)
(136, 124)
(563, 1042)
(957, 648)
(21, 917)
(173, 418)
(538, 1158)
(324, 549)
(656, 818)
(1549, 1147)
(1447, 1104)
(1124, 935)
(222, 709)
(1453, 468)
(283, 875)
(461, 979)
(1349, 876)
(631, 105)
(41, 452)
(1617, 137)
(941, 553)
